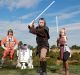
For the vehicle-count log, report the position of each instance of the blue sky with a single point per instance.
(17, 14)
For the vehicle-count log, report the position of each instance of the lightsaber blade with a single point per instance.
(45, 10)
(57, 25)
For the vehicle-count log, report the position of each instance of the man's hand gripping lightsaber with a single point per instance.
(41, 13)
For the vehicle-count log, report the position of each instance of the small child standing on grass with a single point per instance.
(64, 49)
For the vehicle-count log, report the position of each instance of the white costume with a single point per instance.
(24, 57)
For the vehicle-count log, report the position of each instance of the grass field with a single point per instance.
(52, 70)
(9, 69)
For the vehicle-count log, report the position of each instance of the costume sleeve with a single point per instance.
(39, 32)
(16, 43)
(3, 42)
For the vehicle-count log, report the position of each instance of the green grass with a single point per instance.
(75, 69)
(11, 70)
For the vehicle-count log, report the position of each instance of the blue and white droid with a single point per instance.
(24, 57)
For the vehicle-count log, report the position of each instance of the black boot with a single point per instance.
(43, 73)
(43, 65)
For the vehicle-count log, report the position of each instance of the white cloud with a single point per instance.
(71, 27)
(11, 4)
(22, 33)
(27, 16)
(69, 15)
(73, 31)
(66, 13)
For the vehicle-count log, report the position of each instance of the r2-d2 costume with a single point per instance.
(24, 57)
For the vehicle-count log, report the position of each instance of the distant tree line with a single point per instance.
(72, 47)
